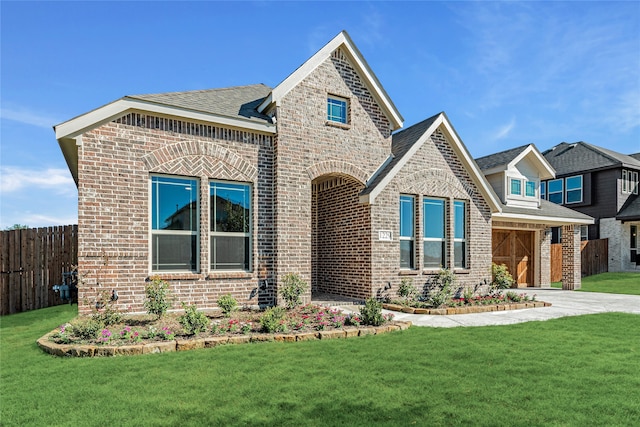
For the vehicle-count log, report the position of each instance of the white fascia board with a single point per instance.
(535, 219)
(371, 197)
(107, 113)
(544, 167)
(471, 166)
(318, 58)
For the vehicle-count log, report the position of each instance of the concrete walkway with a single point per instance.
(564, 303)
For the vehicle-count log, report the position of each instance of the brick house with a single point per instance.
(521, 231)
(603, 184)
(227, 190)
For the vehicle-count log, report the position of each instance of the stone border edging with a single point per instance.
(94, 350)
(466, 309)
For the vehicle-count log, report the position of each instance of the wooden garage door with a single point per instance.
(514, 248)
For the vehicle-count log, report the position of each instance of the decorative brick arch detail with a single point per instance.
(436, 182)
(336, 167)
(200, 158)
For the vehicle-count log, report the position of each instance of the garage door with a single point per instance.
(514, 248)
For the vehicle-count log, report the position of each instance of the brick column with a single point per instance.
(545, 258)
(571, 262)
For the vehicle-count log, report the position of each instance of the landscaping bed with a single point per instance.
(465, 309)
(144, 334)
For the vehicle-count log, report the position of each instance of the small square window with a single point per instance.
(516, 187)
(337, 110)
(530, 189)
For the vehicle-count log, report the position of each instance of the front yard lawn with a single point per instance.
(610, 283)
(570, 371)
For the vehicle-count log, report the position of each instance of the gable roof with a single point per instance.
(407, 142)
(630, 211)
(507, 159)
(234, 106)
(547, 213)
(581, 157)
(342, 40)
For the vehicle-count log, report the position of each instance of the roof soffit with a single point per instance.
(341, 40)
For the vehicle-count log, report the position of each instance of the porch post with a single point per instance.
(571, 261)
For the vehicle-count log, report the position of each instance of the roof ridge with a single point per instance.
(220, 89)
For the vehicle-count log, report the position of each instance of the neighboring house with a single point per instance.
(521, 232)
(227, 190)
(603, 184)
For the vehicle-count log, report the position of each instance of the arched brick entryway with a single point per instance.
(341, 237)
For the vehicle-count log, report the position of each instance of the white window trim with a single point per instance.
(567, 190)
(543, 194)
(153, 232)
(625, 181)
(634, 183)
(464, 240)
(407, 238)
(561, 192)
(346, 109)
(435, 239)
(249, 234)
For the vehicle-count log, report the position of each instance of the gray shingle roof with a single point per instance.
(580, 157)
(501, 158)
(401, 143)
(547, 209)
(235, 102)
(631, 210)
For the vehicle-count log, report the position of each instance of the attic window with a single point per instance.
(336, 109)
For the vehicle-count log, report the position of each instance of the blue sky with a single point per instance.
(506, 73)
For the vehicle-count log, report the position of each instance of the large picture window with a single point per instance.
(460, 234)
(406, 231)
(230, 229)
(434, 233)
(174, 224)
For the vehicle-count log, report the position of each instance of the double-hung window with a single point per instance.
(629, 182)
(434, 233)
(460, 234)
(336, 109)
(174, 224)
(555, 190)
(230, 226)
(530, 189)
(574, 189)
(407, 231)
(515, 186)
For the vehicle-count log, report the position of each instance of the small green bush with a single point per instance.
(157, 297)
(85, 328)
(291, 288)
(193, 321)
(271, 320)
(440, 290)
(227, 304)
(108, 315)
(502, 279)
(406, 289)
(371, 313)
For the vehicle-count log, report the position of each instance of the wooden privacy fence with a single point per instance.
(32, 261)
(594, 255)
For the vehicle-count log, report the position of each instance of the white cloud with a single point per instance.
(26, 116)
(505, 130)
(38, 220)
(14, 179)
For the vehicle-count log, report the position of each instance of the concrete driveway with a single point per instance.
(564, 303)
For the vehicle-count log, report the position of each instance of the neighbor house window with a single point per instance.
(543, 190)
(574, 189)
(633, 244)
(230, 226)
(337, 109)
(629, 182)
(516, 186)
(406, 231)
(584, 232)
(530, 189)
(434, 233)
(174, 224)
(555, 191)
(459, 234)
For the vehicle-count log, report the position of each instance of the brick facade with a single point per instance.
(571, 260)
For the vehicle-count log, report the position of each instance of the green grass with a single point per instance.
(610, 283)
(570, 371)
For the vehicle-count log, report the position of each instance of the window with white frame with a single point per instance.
(434, 233)
(337, 109)
(174, 224)
(555, 191)
(543, 190)
(460, 234)
(629, 182)
(515, 186)
(230, 226)
(573, 189)
(584, 232)
(530, 189)
(407, 214)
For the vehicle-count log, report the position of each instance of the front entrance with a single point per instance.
(514, 248)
